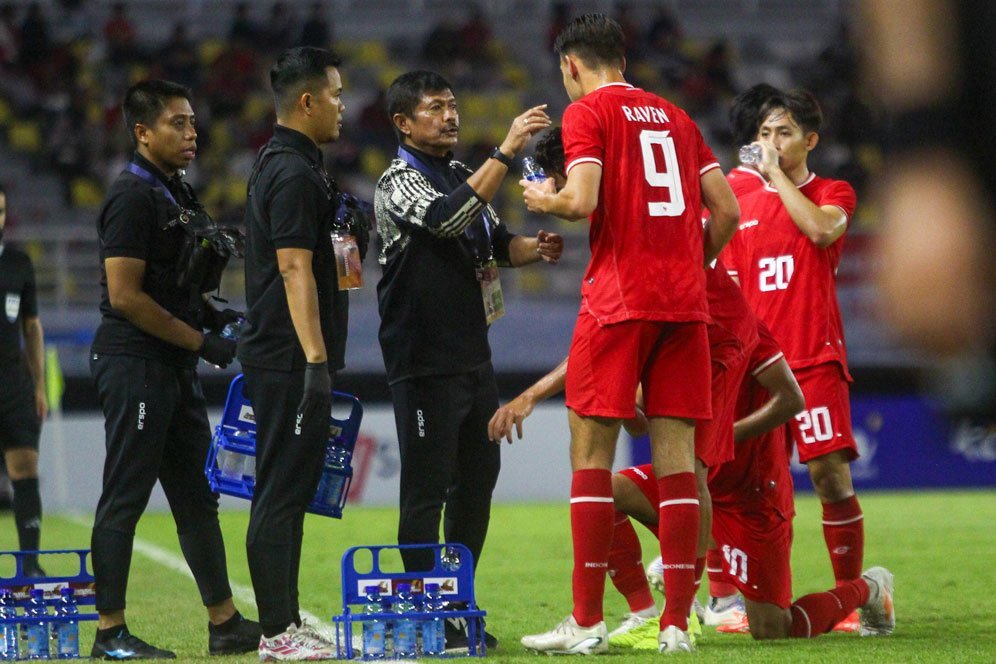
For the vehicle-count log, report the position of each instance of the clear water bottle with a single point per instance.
(450, 559)
(233, 329)
(433, 626)
(66, 631)
(750, 155)
(8, 613)
(405, 633)
(531, 170)
(333, 480)
(374, 629)
(37, 632)
(230, 463)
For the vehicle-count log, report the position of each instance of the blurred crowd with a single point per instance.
(65, 66)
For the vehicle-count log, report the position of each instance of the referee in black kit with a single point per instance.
(441, 247)
(295, 336)
(143, 360)
(22, 392)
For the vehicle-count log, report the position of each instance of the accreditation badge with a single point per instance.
(494, 301)
(347, 261)
(13, 306)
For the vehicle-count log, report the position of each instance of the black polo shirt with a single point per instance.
(137, 220)
(290, 206)
(17, 288)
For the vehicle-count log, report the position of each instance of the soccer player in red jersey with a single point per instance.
(744, 121)
(752, 521)
(639, 167)
(785, 257)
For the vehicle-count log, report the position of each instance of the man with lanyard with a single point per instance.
(22, 394)
(143, 360)
(295, 338)
(441, 244)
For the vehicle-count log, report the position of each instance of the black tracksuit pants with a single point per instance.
(446, 457)
(288, 465)
(156, 426)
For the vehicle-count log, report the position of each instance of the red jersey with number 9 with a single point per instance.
(645, 235)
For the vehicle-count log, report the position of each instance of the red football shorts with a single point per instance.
(670, 360)
(757, 551)
(714, 437)
(643, 478)
(825, 425)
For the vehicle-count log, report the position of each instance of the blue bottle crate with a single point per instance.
(236, 435)
(20, 585)
(456, 580)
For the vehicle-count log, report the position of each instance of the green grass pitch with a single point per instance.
(940, 545)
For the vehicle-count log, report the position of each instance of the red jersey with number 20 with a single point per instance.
(645, 234)
(789, 282)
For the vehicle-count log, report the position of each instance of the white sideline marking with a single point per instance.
(243, 594)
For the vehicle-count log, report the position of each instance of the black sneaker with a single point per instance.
(125, 645)
(457, 639)
(240, 638)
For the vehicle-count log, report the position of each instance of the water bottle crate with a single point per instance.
(452, 571)
(230, 465)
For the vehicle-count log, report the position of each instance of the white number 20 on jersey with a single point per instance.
(775, 272)
(669, 178)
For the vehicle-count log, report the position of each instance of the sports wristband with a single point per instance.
(503, 158)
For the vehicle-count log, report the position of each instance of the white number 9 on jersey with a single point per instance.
(669, 178)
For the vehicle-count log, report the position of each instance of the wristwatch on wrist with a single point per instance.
(502, 157)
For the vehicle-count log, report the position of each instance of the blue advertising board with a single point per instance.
(905, 444)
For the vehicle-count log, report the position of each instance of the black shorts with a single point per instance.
(19, 424)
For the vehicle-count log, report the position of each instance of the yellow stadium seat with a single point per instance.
(209, 51)
(86, 193)
(474, 106)
(236, 191)
(374, 162)
(25, 136)
(371, 53)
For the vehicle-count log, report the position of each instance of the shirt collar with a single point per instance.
(295, 139)
(152, 168)
(440, 163)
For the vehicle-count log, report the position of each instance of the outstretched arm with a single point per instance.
(519, 408)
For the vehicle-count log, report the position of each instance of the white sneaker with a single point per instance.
(290, 647)
(724, 611)
(655, 574)
(569, 638)
(672, 641)
(878, 615)
(698, 610)
(310, 636)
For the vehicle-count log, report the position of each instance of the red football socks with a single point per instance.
(679, 526)
(626, 565)
(718, 585)
(844, 532)
(591, 528)
(816, 614)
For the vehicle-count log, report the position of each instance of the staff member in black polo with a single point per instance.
(295, 337)
(440, 243)
(143, 360)
(22, 392)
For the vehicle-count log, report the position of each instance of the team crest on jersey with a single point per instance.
(13, 306)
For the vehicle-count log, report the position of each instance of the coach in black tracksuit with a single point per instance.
(437, 230)
(143, 360)
(295, 337)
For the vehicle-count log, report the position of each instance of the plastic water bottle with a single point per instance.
(8, 613)
(405, 634)
(433, 627)
(66, 631)
(531, 170)
(751, 154)
(37, 647)
(374, 629)
(233, 329)
(333, 480)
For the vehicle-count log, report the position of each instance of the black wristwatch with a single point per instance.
(503, 158)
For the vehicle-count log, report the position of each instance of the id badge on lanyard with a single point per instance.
(347, 260)
(494, 301)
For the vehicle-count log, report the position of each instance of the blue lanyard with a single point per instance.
(145, 175)
(420, 166)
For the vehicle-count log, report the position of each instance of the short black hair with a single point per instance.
(595, 38)
(801, 104)
(745, 113)
(145, 101)
(298, 68)
(549, 152)
(406, 91)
